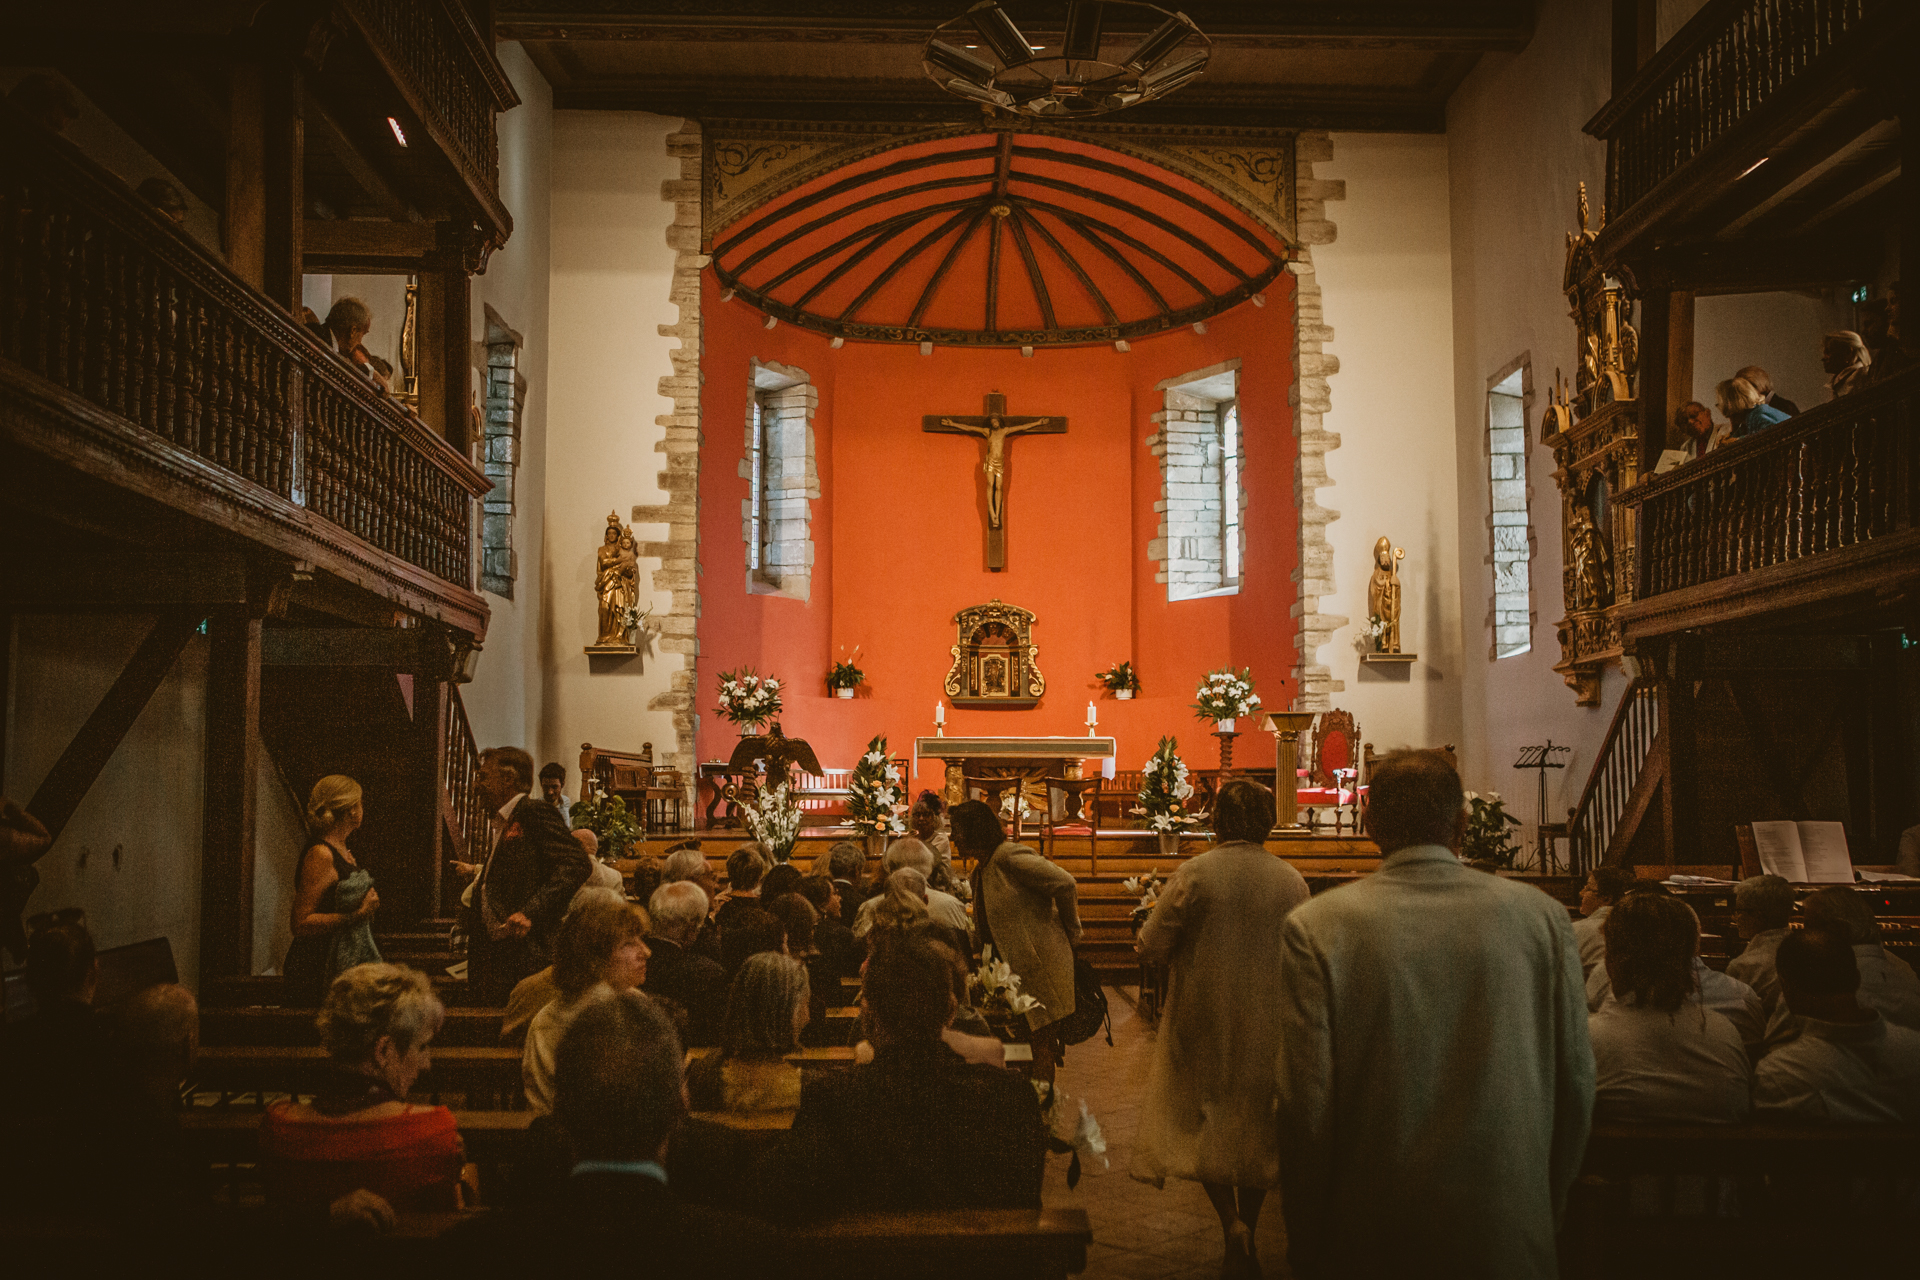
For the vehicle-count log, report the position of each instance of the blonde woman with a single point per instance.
(333, 897)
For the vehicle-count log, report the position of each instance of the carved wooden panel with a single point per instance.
(994, 658)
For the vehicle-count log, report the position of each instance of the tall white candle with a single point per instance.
(1093, 716)
(940, 712)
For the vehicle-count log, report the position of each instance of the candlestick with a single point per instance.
(1093, 718)
(939, 719)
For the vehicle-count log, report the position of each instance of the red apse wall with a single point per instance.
(899, 548)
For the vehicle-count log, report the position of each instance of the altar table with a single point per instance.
(1010, 758)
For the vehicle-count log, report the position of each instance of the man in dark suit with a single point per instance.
(526, 882)
(919, 1127)
(677, 973)
(618, 1094)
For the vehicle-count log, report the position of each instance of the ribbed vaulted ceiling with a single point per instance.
(997, 239)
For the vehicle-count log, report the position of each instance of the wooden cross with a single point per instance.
(994, 427)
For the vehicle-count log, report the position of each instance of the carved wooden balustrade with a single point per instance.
(463, 810)
(1616, 781)
(1716, 73)
(1838, 477)
(432, 49)
(110, 304)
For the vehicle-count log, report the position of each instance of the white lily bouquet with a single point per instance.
(996, 990)
(1071, 1128)
(875, 796)
(774, 820)
(749, 699)
(1164, 790)
(1147, 886)
(1226, 695)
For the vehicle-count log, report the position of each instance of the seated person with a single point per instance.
(1699, 434)
(844, 863)
(796, 917)
(1849, 1065)
(156, 1034)
(345, 330)
(1745, 408)
(599, 952)
(1597, 898)
(1887, 983)
(676, 973)
(745, 869)
(685, 862)
(918, 1127)
(1660, 1056)
(767, 1007)
(751, 933)
(56, 1069)
(1728, 996)
(908, 853)
(1848, 364)
(967, 1033)
(927, 820)
(537, 990)
(360, 1133)
(784, 878)
(1762, 905)
(600, 875)
(1762, 381)
(832, 939)
(618, 1093)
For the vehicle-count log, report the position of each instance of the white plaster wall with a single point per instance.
(612, 271)
(505, 698)
(146, 802)
(1780, 332)
(1387, 290)
(1516, 154)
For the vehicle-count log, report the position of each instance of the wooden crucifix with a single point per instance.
(994, 427)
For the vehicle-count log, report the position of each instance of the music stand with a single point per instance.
(1541, 758)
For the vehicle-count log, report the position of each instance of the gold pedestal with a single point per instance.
(1286, 728)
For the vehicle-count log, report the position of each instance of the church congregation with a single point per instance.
(851, 639)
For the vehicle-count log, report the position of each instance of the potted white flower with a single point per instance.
(1226, 695)
(1164, 792)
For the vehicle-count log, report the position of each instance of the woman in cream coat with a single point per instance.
(1211, 1097)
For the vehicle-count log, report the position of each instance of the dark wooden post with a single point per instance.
(283, 122)
(1666, 368)
(1679, 723)
(227, 817)
(446, 352)
(243, 220)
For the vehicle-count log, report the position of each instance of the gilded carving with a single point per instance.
(995, 661)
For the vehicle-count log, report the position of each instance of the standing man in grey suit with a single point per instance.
(525, 884)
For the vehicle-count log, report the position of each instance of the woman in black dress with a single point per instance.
(333, 899)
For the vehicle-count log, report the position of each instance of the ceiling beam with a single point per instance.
(124, 581)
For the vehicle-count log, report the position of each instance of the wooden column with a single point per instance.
(446, 351)
(1666, 368)
(243, 223)
(227, 816)
(1634, 34)
(284, 186)
(1679, 725)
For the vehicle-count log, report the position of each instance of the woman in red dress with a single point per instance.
(360, 1133)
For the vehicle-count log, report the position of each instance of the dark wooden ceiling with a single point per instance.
(1345, 64)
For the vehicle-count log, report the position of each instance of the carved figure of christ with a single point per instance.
(995, 428)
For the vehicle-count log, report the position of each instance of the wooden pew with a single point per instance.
(486, 1073)
(226, 1135)
(287, 1026)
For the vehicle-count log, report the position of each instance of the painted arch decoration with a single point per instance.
(996, 237)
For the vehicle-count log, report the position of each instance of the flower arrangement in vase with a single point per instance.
(1148, 887)
(1226, 695)
(875, 797)
(774, 819)
(845, 675)
(748, 700)
(1164, 792)
(1488, 842)
(1120, 680)
(995, 992)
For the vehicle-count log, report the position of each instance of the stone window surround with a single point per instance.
(788, 400)
(503, 406)
(1523, 555)
(1188, 548)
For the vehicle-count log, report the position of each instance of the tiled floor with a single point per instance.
(1140, 1233)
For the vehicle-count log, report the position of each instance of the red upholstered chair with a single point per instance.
(1080, 809)
(1330, 774)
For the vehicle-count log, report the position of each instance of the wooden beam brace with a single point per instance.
(73, 775)
(400, 244)
(131, 581)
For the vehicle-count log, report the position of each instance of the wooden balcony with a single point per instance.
(130, 354)
(1810, 520)
(1787, 83)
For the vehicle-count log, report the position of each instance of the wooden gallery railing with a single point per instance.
(1837, 477)
(112, 304)
(1716, 73)
(1617, 770)
(461, 809)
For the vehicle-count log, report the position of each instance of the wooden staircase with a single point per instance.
(1628, 776)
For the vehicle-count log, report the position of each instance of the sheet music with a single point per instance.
(1823, 847)
(1778, 845)
(1669, 459)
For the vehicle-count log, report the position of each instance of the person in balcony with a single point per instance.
(1845, 358)
(1763, 383)
(345, 331)
(1701, 434)
(1742, 405)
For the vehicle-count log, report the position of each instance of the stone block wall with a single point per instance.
(500, 432)
(790, 472)
(1189, 551)
(1313, 398)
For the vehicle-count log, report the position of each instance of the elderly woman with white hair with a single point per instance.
(904, 854)
(1847, 362)
(1742, 405)
(360, 1133)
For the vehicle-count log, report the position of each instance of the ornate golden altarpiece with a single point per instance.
(1595, 438)
(994, 658)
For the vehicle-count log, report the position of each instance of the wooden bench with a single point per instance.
(1774, 1236)
(834, 1057)
(287, 1026)
(225, 1135)
(489, 1074)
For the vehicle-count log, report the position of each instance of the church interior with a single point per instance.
(820, 428)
